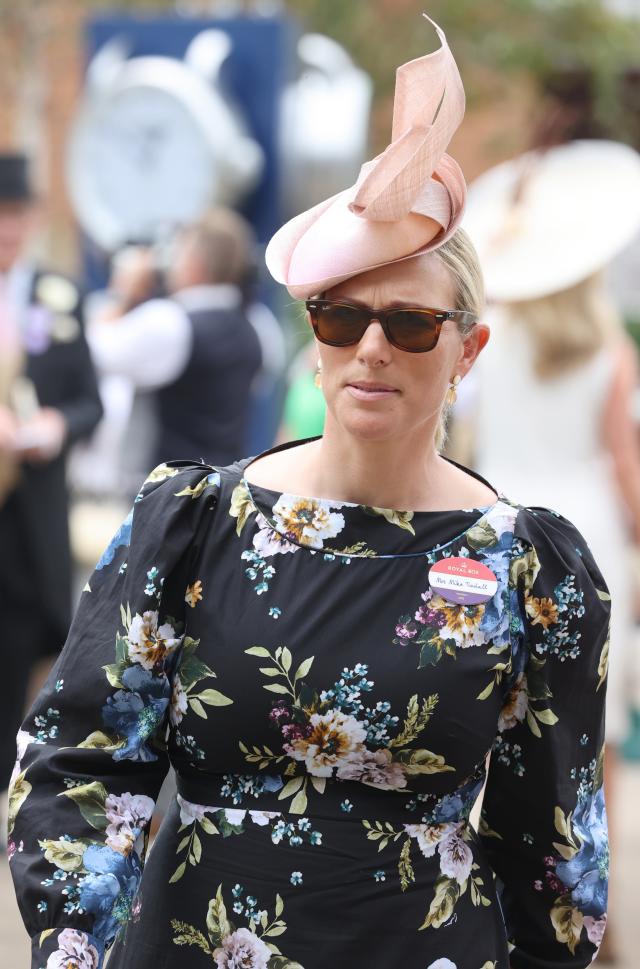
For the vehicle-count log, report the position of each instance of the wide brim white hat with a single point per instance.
(548, 219)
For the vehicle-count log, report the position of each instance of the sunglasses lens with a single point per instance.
(338, 323)
(411, 330)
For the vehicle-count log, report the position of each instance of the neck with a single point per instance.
(402, 473)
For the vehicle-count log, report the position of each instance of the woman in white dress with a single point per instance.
(558, 378)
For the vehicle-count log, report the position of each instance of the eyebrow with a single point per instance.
(395, 305)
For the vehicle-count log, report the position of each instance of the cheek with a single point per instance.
(334, 363)
(428, 378)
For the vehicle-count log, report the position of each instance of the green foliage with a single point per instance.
(492, 41)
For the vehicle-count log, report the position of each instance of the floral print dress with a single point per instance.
(330, 716)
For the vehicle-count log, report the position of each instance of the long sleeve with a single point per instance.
(91, 751)
(543, 822)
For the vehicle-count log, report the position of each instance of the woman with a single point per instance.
(565, 365)
(333, 671)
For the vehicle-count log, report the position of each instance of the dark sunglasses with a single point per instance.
(413, 330)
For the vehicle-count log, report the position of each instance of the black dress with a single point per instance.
(329, 713)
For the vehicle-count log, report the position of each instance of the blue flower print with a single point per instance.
(121, 538)
(108, 890)
(585, 875)
(136, 712)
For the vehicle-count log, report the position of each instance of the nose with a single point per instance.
(374, 350)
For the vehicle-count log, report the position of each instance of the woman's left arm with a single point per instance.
(543, 820)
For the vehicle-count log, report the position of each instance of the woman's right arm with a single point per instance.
(90, 753)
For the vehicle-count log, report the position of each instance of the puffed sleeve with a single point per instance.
(543, 821)
(91, 752)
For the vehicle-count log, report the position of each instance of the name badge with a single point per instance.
(463, 581)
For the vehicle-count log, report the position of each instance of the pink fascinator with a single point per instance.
(405, 202)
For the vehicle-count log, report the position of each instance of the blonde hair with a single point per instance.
(461, 259)
(567, 328)
(459, 256)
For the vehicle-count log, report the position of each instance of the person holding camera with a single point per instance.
(195, 347)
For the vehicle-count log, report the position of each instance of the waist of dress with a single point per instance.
(327, 798)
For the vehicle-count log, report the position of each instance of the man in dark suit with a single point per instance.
(48, 400)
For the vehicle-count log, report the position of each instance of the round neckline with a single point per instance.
(349, 529)
(337, 502)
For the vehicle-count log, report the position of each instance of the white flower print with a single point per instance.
(463, 625)
(242, 950)
(333, 738)
(267, 541)
(74, 952)
(456, 858)
(442, 964)
(235, 816)
(190, 812)
(595, 929)
(375, 768)
(515, 708)
(23, 740)
(149, 644)
(179, 704)
(307, 521)
(127, 814)
(263, 817)
(429, 836)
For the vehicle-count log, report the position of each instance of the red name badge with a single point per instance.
(463, 581)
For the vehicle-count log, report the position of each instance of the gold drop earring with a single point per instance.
(318, 377)
(452, 392)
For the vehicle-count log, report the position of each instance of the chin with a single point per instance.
(370, 427)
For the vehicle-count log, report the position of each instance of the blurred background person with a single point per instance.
(48, 400)
(195, 348)
(562, 360)
(304, 405)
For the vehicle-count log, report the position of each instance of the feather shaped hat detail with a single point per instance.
(406, 201)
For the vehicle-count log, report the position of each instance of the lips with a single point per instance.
(372, 388)
(363, 390)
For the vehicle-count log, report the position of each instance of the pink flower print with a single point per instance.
(75, 952)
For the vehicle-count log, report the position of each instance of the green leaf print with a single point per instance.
(416, 720)
(400, 518)
(213, 698)
(241, 507)
(90, 798)
(444, 901)
(422, 762)
(258, 651)
(199, 489)
(122, 643)
(482, 535)
(405, 868)
(114, 673)
(188, 935)
(98, 740)
(304, 668)
(430, 653)
(64, 854)
(221, 932)
(217, 921)
(18, 793)
(191, 669)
